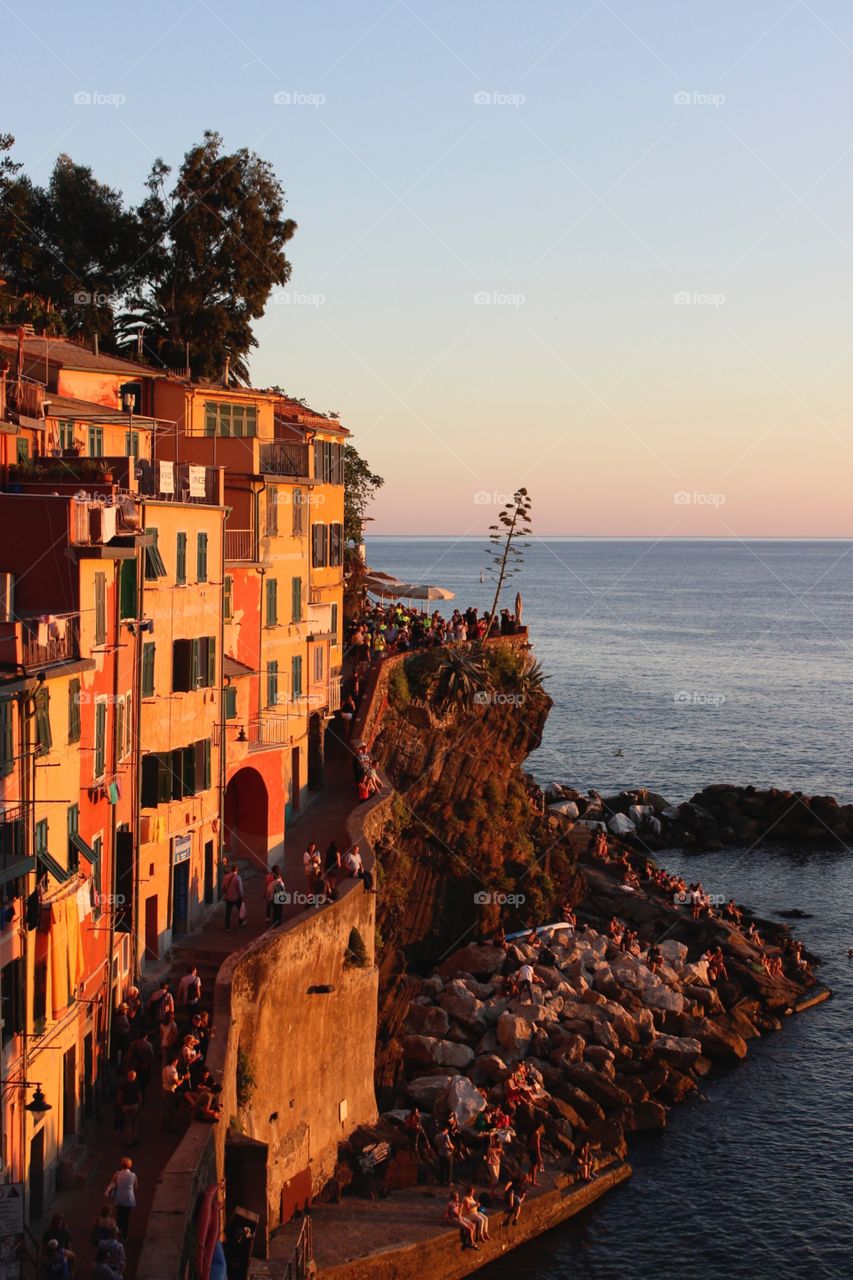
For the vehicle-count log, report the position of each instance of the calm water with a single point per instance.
(706, 662)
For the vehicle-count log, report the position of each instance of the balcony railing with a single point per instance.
(178, 482)
(241, 544)
(27, 398)
(279, 458)
(334, 693)
(50, 638)
(268, 731)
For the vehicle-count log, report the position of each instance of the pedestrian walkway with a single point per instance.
(323, 820)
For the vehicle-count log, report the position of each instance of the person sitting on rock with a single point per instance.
(493, 1161)
(472, 1210)
(569, 916)
(733, 911)
(586, 1163)
(467, 1228)
(753, 934)
(616, 929)
(500, 938)
(416, 1131)
(654, 957)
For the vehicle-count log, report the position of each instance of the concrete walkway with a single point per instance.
(323, 820)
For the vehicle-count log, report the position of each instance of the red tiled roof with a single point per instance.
(70, 355)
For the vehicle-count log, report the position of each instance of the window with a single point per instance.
(7, 748)
(41, 837)
(334, 624)
(296, 600)
(22, 449)
(97, 850)
(148, 670)
(154, 566)
(12, 983)
(336, 544)
(127, 589)
(201, 558)
(156, 780)
(100, 608)
(193, 664)
(228, 598)
(229, 693)
(272, 512)
(297, 677)
(272, 684)
(66, 435)
(128, 724)
(181, 559)
(44, 737)
(119, 728)
(226, 419)
(272, 602)
(73, 710)
(100, 737)
(202, 765)
(328, 462)
(39, 996)
(298, 504)
(318, 664)
(172, 775)
(319, 545)
(96, 442)
(73, 827)
(131, 444)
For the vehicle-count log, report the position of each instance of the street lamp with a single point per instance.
(39, 1104)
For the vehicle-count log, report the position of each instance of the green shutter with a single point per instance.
(100, 738)
(229, 694)
(297, 677)
(73, 710)
(127, 589)
(335, 623)
(44, 737)
(211, 662)
(100, 608)
(272, 684)
(296, 600)
(228, 598)
(181, 559)
(272, 602)
(73, 826)
(148, 670)
(7, 750)
(201, 557)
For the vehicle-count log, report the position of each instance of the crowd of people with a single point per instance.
(397, 628)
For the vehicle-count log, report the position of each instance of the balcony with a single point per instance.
(280, 458)
(241, 544)
(269, 731)
(179, 482)
(50, 638)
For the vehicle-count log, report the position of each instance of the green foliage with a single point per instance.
(356, 956)
(360, 486)
(421, 669)
(398, 687)
(246, 1083)
(460, 677)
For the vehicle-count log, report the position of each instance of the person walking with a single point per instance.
(312, 866)
(276, 897)
(142, 1059)
(189, 989)
(124, 1184)
(130, 1101)
(232, 892)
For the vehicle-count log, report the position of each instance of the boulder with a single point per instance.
(426, 1090)
(462, 1099)
(621, 825)
(586, 1107)
(601, 1059)
(463, 1007)
(401, 1171)
(607, 1135)
(644, 1117)
(478, 958)
(633, 1086)
(428, 1050)
(565, 1111)
(720, 1043)
(491, 1067)
(427, 1020)
(514, 1032)
(674, 953)
(565, 809)
(681, 1051)
(604, 1092)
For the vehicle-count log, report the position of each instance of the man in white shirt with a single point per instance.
(189, 988)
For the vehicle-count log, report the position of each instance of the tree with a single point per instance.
(67, 251)
(214, 250)
(508, 543)
(360, 486)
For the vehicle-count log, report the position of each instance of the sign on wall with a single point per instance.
(197, 489)
(167, 477)
(182, 847)
(12, 1209)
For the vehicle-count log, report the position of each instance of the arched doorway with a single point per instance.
(247, 830)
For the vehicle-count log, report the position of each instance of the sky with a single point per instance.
(600, 248)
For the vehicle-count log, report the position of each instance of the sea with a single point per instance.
(671, 665)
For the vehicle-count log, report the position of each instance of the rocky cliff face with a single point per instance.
(468, 844)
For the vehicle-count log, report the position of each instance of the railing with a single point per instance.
(301, 1262)
(334, 702)
(240, 544)
(53, 638)
(178, 482)
(268, 731)
(80, 523)
(282, 459)
(27, 398)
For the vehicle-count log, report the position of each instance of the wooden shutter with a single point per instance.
(182, 651)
